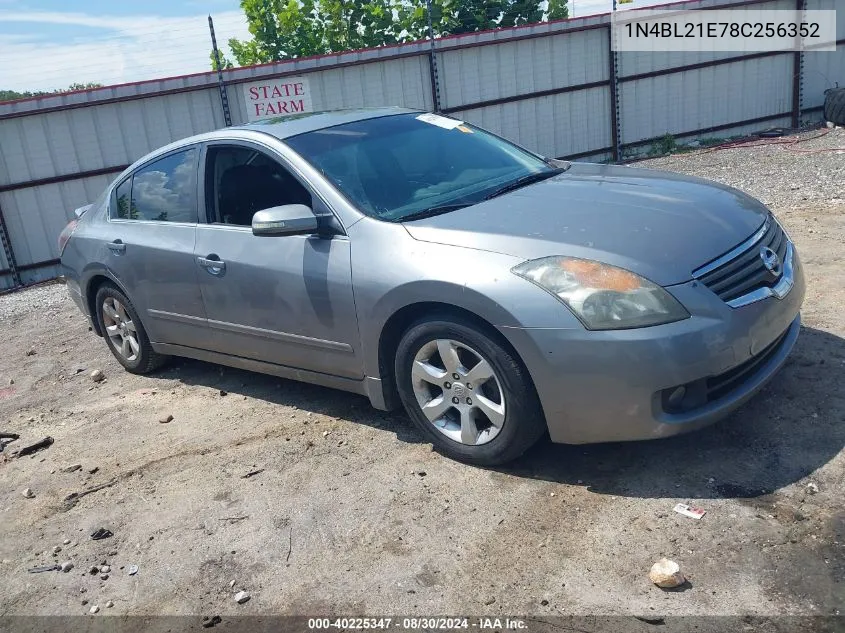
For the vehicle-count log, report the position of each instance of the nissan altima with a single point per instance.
(497, 295)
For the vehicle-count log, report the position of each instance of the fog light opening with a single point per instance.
(677, 397)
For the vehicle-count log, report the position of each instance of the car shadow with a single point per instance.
(291, 393)
(795, 425)
(789, 430)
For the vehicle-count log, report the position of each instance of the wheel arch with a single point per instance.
(93, 284)
(403, 318)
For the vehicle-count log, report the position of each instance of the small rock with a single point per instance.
(545, 603)
(27, 493)
(97, 375)
(104, 576)
(166, 419)
(224, 393)
(57, 549)
(133, 569)
(231, 584)
(109, 604)
(208, 623)
(66, 567)
(72, 469)
(552, 494)
(30, 351)
(101, 533)
(94, 571)
(91, 471)
(325, 433)
(104, 569)
(11, 381)
(241, 597)
(94, 609)
(812, 488)
(666, 573)
(66, 541)
(489, 601)
(84, 602)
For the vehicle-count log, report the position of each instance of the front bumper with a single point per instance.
(611, 386)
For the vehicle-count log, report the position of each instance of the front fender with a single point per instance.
(392, 272)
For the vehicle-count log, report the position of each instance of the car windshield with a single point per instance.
(411, 165)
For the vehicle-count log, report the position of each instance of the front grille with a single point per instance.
(696, 394)
(746, 272)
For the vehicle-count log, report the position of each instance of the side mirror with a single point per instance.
(288, 219)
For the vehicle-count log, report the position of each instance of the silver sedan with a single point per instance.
(496, 294)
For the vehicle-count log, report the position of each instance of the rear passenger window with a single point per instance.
(162, 191)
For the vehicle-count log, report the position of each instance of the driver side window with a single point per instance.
(241, 180)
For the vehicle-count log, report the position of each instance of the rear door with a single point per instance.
(280, 299)
(150, 240)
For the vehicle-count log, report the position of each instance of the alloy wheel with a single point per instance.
(120, 329)
(458, 392)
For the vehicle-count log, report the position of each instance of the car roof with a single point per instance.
(283, 127)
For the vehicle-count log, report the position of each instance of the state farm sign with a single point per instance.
(277, 97)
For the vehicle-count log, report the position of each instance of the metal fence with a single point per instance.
(555, 87)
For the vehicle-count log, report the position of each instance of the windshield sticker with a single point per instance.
(439, 121)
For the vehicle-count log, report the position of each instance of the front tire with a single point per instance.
(466, 392)
(124, 333)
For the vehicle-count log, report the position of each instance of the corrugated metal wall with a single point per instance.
(524, 73)
(692, 99)
(548, 87)
(823, 70)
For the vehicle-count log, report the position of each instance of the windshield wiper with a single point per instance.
(432, 211)
(519, 183)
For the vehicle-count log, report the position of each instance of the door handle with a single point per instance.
(117, 247)
(212, 265)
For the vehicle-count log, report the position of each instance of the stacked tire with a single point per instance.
(834, 106)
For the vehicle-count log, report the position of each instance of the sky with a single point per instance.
(49, 44)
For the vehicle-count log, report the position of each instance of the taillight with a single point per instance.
(64, 236)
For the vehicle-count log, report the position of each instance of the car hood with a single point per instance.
(660, 225)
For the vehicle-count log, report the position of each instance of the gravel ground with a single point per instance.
(351, 513)
(46, 298)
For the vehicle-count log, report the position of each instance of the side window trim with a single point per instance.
(131, 176)
(112, 215)
(320, 203)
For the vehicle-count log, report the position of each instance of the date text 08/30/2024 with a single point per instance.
(417, 623)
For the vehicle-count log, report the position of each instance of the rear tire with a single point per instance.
(124, 333)
(834, 106)
(489, 414)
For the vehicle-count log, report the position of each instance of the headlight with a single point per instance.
(603, 297)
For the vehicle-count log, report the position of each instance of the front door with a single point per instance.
(285, 300)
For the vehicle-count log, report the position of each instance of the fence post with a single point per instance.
(224, 97)
(432, 62)
(10, 253)
(798, 73)
(614, 94)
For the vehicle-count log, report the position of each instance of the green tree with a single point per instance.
(12, 95)
(285, 29)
